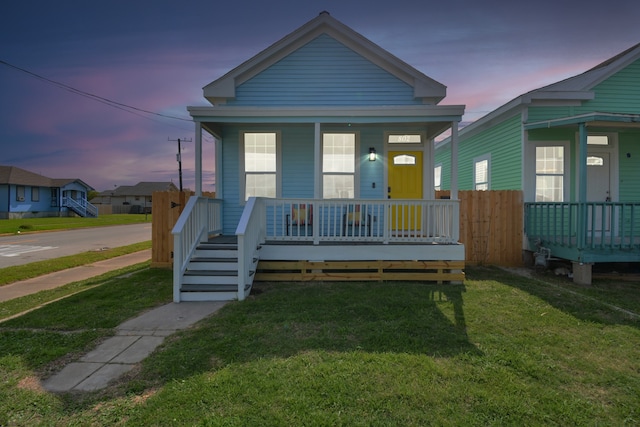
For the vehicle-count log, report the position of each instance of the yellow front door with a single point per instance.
(405, 182)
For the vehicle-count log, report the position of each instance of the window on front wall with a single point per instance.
(338, 165)
(20, 193)
(550, 174)
(260, 164)
(35, 194)
(437, 178)
(481, 172)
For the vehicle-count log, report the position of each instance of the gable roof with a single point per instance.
(140, 189)
(424, 87)
(16, 176)
(573, 89)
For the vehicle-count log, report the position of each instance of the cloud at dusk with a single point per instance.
(157, 56)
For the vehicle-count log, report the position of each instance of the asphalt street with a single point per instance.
(24, 248)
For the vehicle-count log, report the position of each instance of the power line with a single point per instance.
(115, 104)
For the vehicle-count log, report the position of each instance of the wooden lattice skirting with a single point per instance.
(300, 271)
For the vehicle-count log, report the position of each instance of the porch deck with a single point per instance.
(297, 261)
(312, 239)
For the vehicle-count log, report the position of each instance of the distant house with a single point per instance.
(132, 198)
(572, 147)
(25, 194)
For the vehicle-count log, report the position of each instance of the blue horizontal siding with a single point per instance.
(324, 72)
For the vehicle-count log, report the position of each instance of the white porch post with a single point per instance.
(429, 165)
(317, 153)
(454, 160)
(198, 159)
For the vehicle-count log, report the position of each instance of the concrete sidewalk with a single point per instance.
(135, 339)
(53, 280)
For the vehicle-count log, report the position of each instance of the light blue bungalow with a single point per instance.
(25, 194)
(573, 148)
(324, 171)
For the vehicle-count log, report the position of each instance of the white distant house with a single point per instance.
(132, 198)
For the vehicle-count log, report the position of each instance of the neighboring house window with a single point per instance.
(550, 174)
(260, 165)
(481, 172)
(437, 178)
(35, 194)
(20, 193)
(338, 165)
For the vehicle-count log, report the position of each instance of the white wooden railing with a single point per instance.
(82, 206)
(352, 220)
(250, 233)
(200, 218)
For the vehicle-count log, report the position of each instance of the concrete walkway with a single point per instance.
(135, 339)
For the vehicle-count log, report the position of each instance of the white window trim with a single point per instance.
(566, 177)
(477, 160)
(242, 173)
(357, 159)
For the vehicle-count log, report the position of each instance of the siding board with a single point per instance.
(324, 73)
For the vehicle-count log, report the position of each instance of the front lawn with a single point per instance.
(501, 350)
(26, 225)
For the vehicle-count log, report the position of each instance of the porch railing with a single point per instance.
(200, 218)
(250, 234)
(81, 207)
(353, 220)
(591, 225)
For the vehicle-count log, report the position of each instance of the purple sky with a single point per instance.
(157, 55)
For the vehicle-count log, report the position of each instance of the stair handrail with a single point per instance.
(82, 207)
(201, 216)
(251, 232)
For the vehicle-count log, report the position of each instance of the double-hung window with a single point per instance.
(550, 167)
(338, 165)
(35, 194)
(260, 164)
(482, 172)
(437, 177)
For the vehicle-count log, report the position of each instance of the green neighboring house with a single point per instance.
(573, 148)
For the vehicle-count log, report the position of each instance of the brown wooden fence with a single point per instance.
(491, 226)
(167, 207)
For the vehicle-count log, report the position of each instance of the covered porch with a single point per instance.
(599, 220)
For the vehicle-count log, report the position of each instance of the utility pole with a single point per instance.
(179, 157)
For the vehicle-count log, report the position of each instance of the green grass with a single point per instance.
(501, 350)
(13, 226)
(34, 269)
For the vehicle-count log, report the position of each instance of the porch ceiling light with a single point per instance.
(372, 154)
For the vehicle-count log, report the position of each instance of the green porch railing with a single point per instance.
(584, 226)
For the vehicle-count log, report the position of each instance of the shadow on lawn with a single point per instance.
(604, 302)
(283, 320)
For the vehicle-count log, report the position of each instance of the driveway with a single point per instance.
(30, 247)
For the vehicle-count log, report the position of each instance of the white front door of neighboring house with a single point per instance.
(599, 189)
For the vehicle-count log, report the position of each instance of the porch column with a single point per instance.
(454, 161)
(429, 166)
(317, 153)
(582, 190)
(198, 159)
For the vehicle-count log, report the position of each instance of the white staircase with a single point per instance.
(212, 274)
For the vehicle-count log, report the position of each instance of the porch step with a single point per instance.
(210, 277)
(214, 264)
(212, 274)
